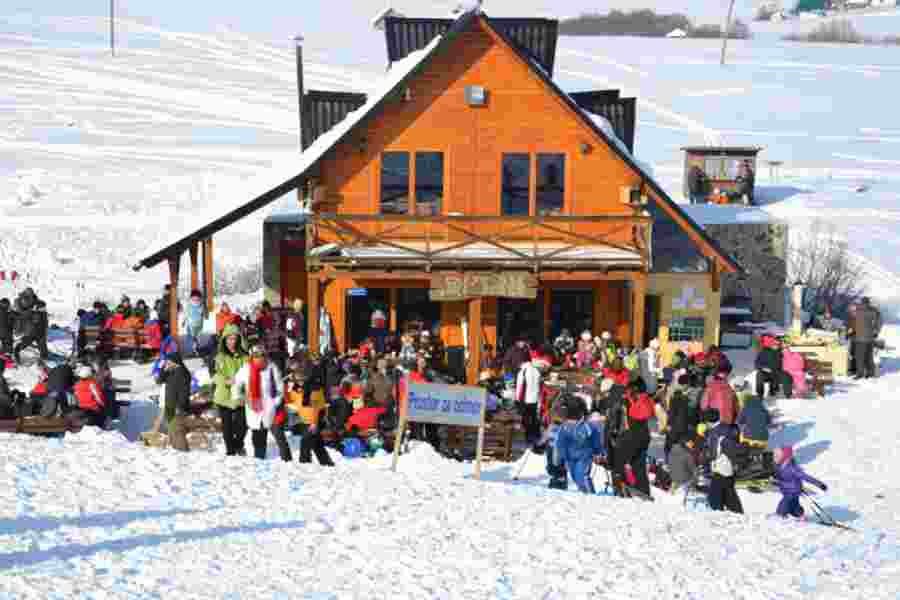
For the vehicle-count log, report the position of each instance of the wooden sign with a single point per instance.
(456, 405)
(453, 287)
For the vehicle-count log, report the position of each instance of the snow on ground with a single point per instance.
(95, 515)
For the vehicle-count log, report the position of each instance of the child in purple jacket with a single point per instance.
(790, 478)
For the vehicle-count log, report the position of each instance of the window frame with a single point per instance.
(412, 183)
(537, 178)
(533, 178)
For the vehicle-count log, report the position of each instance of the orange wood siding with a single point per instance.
(521, 116)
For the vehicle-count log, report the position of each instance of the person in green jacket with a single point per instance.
(232, 355)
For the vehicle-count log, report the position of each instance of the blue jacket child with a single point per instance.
(790, 477)
(577, 443)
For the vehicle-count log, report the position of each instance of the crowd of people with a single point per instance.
(266, 381)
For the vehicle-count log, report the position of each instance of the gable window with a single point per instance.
(551, 191)
(429, 183)
(515, 198)
(395, 183)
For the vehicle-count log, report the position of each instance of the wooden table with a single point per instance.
(837, 356)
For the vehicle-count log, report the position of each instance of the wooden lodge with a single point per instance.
(472, 193)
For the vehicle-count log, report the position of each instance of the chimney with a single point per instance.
(298, 42)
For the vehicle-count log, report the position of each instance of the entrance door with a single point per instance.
(572, 310)
(652, 310)
(361, 303)
(519, 318)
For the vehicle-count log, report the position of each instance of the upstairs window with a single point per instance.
(429, 183)
(515, 194)
(395, 183)
(551, 190)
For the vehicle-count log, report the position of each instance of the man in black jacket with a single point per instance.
(60, 383)
(6, 327)
(178, 399)
(34, 331)
(768, 370)
(866, 325)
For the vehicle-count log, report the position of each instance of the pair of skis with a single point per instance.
(824, 517)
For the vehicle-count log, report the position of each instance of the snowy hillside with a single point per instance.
(101, 158)
(95, 515)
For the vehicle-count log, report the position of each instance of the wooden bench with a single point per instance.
(39, 425)
(498, 440)
(198, 427)
(112, 341)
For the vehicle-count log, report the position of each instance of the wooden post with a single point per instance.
(393, 298)
(479, 448)
(402, 395)
(716, 280)
(474, 340)
(639, 291)
(208, 277)
(312, 303)
(195, 272)
(173, 295)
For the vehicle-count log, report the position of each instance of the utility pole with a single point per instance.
(112, 26)
(298, 43)
(726, 30)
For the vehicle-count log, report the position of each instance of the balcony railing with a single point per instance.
(460, 241)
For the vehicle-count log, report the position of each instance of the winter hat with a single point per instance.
(85, 372)
(154, 315)
(175, 357)
(783, 455)
(586, 335)
(654, 344)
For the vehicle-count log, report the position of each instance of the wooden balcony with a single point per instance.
(535, 243)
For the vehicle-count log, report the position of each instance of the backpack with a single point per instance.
(721, 465)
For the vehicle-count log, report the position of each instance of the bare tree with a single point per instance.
(821, 260)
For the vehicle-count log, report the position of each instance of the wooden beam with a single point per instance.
(195, 272)
(393, 300)
(716, 280)
(313, 300)
(639, 295)
(208, 274)
(475, 306)
(508, 219)
(174, 263)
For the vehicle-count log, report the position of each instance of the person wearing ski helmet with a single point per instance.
(790, 477)
(89, 397)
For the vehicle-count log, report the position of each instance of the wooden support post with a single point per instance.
(312, 303)
(639, 292)
(546, 312)
(474, 340)
(393, 299)
(174, 263)
(195, 272)
(716, 282)
(208, 277)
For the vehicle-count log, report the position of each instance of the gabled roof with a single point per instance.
(287, 176)
(535, 37)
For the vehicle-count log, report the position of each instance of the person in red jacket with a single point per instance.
(89, 397)
(720, 397)
(617, 372)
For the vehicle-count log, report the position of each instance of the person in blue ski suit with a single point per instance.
(579, 444)
(790, 477)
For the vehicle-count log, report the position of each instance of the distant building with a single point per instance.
(677, 33)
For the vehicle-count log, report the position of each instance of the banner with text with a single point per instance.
(445, 404)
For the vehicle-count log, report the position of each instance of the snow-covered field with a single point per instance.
(97, 516)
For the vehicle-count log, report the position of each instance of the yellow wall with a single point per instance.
(670, 286)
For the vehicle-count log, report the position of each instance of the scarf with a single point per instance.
(255, 392)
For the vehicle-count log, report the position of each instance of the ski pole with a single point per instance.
(524, 460)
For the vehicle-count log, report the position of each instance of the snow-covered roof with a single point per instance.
(727, 214)
(598, 253)
(677, 33)
(286, 173)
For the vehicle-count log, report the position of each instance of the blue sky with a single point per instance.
(324, 20)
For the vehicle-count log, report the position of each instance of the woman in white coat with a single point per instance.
(260, 388)
(649, 363)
